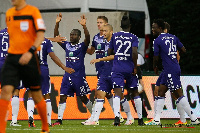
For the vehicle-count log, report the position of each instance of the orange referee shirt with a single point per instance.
(22, 28)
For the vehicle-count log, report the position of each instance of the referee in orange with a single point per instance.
(26, 32)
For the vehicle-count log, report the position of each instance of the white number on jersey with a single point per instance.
(172, 48)
(120, 46)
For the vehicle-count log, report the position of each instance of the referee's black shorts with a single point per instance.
(12, 72)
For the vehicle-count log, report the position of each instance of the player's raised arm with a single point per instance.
(82, 21)
(56, 31)
(91, 50)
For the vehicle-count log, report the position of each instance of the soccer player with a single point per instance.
(98, 47)
(124, 45)
(166, 45)
(105, 83)
(75, 54)
(46, 49)
(4, 44)
(26, 33)
(179, 107)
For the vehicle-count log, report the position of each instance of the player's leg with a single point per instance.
(30, 109)
(9, 79)
(81, 88)
(61, 109)
(110, 97)
(116, 105)
(49, 108)
(6, 93)
(65, 91)
(15, 107)
(46, 90)
(180, 111)
(98, 107)
(160, 103)
(126, 107)
(30, 74)
(181, 99)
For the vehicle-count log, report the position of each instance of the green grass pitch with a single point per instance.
(74, 126)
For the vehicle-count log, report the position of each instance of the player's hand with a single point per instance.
(59, 17)
(94, 61)
(69, 70)
(25, 58)
(83, 20)
(134, 71)
(156, 70)
(59, 39)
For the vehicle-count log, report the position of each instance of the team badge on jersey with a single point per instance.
(24, 25)
(71, 54)
(99, 46)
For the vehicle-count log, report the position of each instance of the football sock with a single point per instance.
(98, 108)
(3, 114)
(181, 112)
(155, 104)
(49, 110)
(126, 108)
(159, 108)
(61, 109)
(138, 105)
(15, 108)
(185, 105)
(116, 105)
(42, 111)
(30, 107)
(89, 106)
(93, 111)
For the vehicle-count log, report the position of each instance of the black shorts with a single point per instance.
(12, 72)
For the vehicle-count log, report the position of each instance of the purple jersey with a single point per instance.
(166, 45)
(4, 43)
(99, 46)
(46, 48)
(122, 43)
(75, 55)
(107, 66)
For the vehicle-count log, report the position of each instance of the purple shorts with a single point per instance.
(71, 85)
(171, 80)
(159, 79)
(45, 81)
(105, 84)
(118, 80)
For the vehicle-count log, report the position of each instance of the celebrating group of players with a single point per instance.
(116, 62)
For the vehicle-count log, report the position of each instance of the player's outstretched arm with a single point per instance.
(56, 31)
(60, 64)
(107, 58)
(58, 38)
(82, 21)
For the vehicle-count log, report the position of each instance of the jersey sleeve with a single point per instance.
(156, 47)
(49, 46)
(38, 21)
(63, 45)
(135, 42)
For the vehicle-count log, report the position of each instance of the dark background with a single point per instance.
(184, 19)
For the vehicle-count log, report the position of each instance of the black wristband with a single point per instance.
(32, 49)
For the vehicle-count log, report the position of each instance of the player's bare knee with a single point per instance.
(63, 98)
